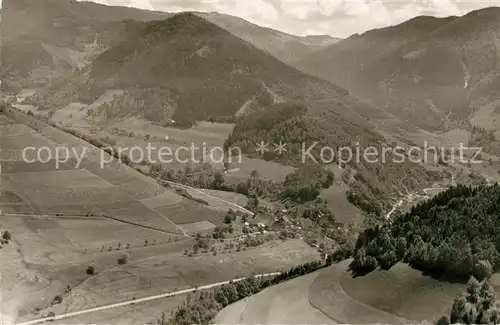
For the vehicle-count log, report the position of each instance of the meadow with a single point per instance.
(64, 219)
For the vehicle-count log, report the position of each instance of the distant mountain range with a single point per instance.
(33, 30)
(428, 71)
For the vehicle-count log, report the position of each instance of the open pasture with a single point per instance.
(403, 291)
(5, 120)
(165, 273)
(9, 197)
(343, 210)
(74, 114)
(213, 134)
(217, 200)
(167, 198)
(137, 213)
(46, 198)
(142, 313)
(190, 211)
(15, 129)
(285, 303)
(241, 168)
(95, 233)
(16, 166)
(133, 183)
(232, 197)
(19, 142)
(197, 227)
(79, 178)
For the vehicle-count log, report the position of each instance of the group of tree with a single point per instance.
(6, 236)
(454, 234)
(476, 305)
(201, 307)
(375, 180)
(305, 183)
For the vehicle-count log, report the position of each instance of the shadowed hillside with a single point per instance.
(199, 69)
(428, 71)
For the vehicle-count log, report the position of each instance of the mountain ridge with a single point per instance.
(427, 71)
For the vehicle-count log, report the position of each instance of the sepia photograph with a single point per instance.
(203, 162)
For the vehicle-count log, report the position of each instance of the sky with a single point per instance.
(339, 18)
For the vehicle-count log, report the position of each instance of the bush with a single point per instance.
(122, 260)
(6, 235)
(57, 300)
(90, 269)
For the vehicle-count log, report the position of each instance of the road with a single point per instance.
(410, 197)
(140, 300)
(397, 205)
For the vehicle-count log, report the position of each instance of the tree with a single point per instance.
(477, 305)
(227, 219)
(123, 259)
(444, 320)
(90, 269)
(57, 300)
(6, 235)
(473, 290)
(218, 181)
(483, 270)
(458, 310)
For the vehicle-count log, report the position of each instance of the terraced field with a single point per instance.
(65, 217)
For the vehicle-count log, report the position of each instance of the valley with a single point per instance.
(192, 167)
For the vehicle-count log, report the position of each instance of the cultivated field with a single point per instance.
(162, 274)
(67, 217)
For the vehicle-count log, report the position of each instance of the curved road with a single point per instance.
(401, 201)
(136, 301)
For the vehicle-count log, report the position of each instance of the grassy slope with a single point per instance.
(398, 296)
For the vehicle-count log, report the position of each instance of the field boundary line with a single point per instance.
(144, 299)
(130, 223)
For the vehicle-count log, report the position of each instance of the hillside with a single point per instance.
(327, 127)
(62, 35)
(332, 296)
(428, 71)
(44, 37)
(188, 69)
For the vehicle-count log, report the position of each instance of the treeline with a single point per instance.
(201, 307)
(453, 235)
(476, 305)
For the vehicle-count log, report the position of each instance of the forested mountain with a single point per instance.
(314, 132)
(453, 235)
(428, 71)
(43, 40)
(199, 70)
